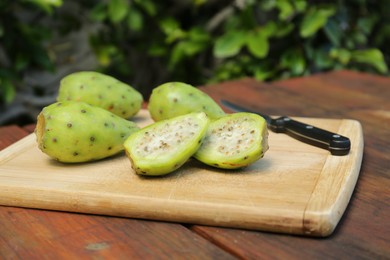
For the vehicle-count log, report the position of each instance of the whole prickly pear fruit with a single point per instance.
(101, 90)
(164, 146)
(234, 141)
(176, 98)
(73, 132)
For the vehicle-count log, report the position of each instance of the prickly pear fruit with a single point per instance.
(234, 141)
(176, 98)
(164, 146)
(73, 132)
(101, 90)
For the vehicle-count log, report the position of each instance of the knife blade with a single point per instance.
(336, 144)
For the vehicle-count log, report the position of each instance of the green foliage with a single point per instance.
(199, 41)
(267, 40)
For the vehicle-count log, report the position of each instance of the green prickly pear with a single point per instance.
(164, 146)
(73, 132)
(101, 90)
(176, 98)
(234, 141)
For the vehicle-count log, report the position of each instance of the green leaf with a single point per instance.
(229, 44)
(283, 29)
(98, 12)
(314, 20)
(322, 60)
(157, 50)
(135, 20)
(183, 50)
(198, 34)
(199, 2)
(382, 35)
(263, 72)
(171, 28)
(105, 53)
(117, 10)
(148, 5)
(46, 5)
(257, 43)
(334, 32)
(341, 55)
(286, 9)
(8, 90)
(366, 24)
(300, 5)
(373, 57)
(294, 61)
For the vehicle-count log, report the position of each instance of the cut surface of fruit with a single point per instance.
(234, 141)
(164, 146)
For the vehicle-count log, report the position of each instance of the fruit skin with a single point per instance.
(176, 98)
(234, 141)
(101, 90)
(75, 132)
(164, 146)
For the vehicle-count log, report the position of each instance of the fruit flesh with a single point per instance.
(163, 147)
(234, 141)
(75, 132)
(176, 98)
(101, 90)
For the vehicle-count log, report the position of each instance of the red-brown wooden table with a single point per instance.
(363, 232)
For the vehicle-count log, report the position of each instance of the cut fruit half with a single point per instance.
(163, 147)
(234, 141)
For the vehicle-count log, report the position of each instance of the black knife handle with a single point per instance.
(335, 143)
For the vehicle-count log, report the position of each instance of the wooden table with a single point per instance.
(363, 232)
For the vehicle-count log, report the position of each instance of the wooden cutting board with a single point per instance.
(296, 188)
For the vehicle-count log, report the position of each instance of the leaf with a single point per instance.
(199, 2)
(257, 43)
(229, 44)
(135, 20)
(171, 28)
(157, 50)
(334, 32)
(148, 5)
(300, 5)
(322, 60)
(183, 50)
(198, 34)
(117, 10)
(366, 24)
(341, 55)
(105, 54)
(8, 89)
(314, 20)
(283, 29)
(286, 9)
(373, 57)
(98, 12)
(46, 5)
(294, 61)
(263, 72)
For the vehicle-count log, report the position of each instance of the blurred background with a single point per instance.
(148, 42)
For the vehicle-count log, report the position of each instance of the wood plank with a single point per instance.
(37, 234)
(10, 134)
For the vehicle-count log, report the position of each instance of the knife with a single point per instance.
(335, 143)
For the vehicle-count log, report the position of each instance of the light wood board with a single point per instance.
(296, 188)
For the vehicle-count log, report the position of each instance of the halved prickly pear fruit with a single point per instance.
(164, 146)
(176, 98)
(234, 141)
(101, 90)
(74, 132)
